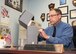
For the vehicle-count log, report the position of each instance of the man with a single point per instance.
(63, 33)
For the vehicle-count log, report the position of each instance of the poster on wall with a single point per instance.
(5, 32)
(15, 4)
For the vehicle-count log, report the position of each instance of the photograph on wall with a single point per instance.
(73, 14)
(64, 19)
(47, 18)
(64, 9)
(62, 2)
(15, 4)
(42, 17)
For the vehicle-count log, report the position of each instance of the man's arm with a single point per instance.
(65, 39)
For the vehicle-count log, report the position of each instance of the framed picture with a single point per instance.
(62, 2)
(47, 17)
(15, 4)
(64, 19)
(73, 14)
(49, 24)
(42, 17)
(64, 9)
(5, 32)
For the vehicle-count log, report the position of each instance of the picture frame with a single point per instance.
(47, 18)
(42, 17)
(64, 9)
(73, 14)
(62, 2)
(64, 19)
(49, 24)
(15, 4)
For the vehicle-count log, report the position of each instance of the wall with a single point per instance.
(37, 7)
(14, 16)
(41, 6)
(14, 25)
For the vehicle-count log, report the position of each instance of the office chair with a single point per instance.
(74, 35)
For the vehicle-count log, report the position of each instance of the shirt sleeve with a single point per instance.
(65, 38)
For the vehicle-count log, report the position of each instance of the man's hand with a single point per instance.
(43, 34)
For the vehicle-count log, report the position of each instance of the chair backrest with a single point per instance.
(74, 36)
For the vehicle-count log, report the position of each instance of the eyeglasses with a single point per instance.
(53, 15)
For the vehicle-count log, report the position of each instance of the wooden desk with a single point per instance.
(7, 51)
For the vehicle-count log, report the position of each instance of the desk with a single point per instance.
(7, 51)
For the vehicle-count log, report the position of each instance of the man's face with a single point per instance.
(54, 17)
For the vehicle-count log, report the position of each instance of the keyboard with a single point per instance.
(47, 47)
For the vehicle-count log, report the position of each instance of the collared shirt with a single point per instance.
(64, 34)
